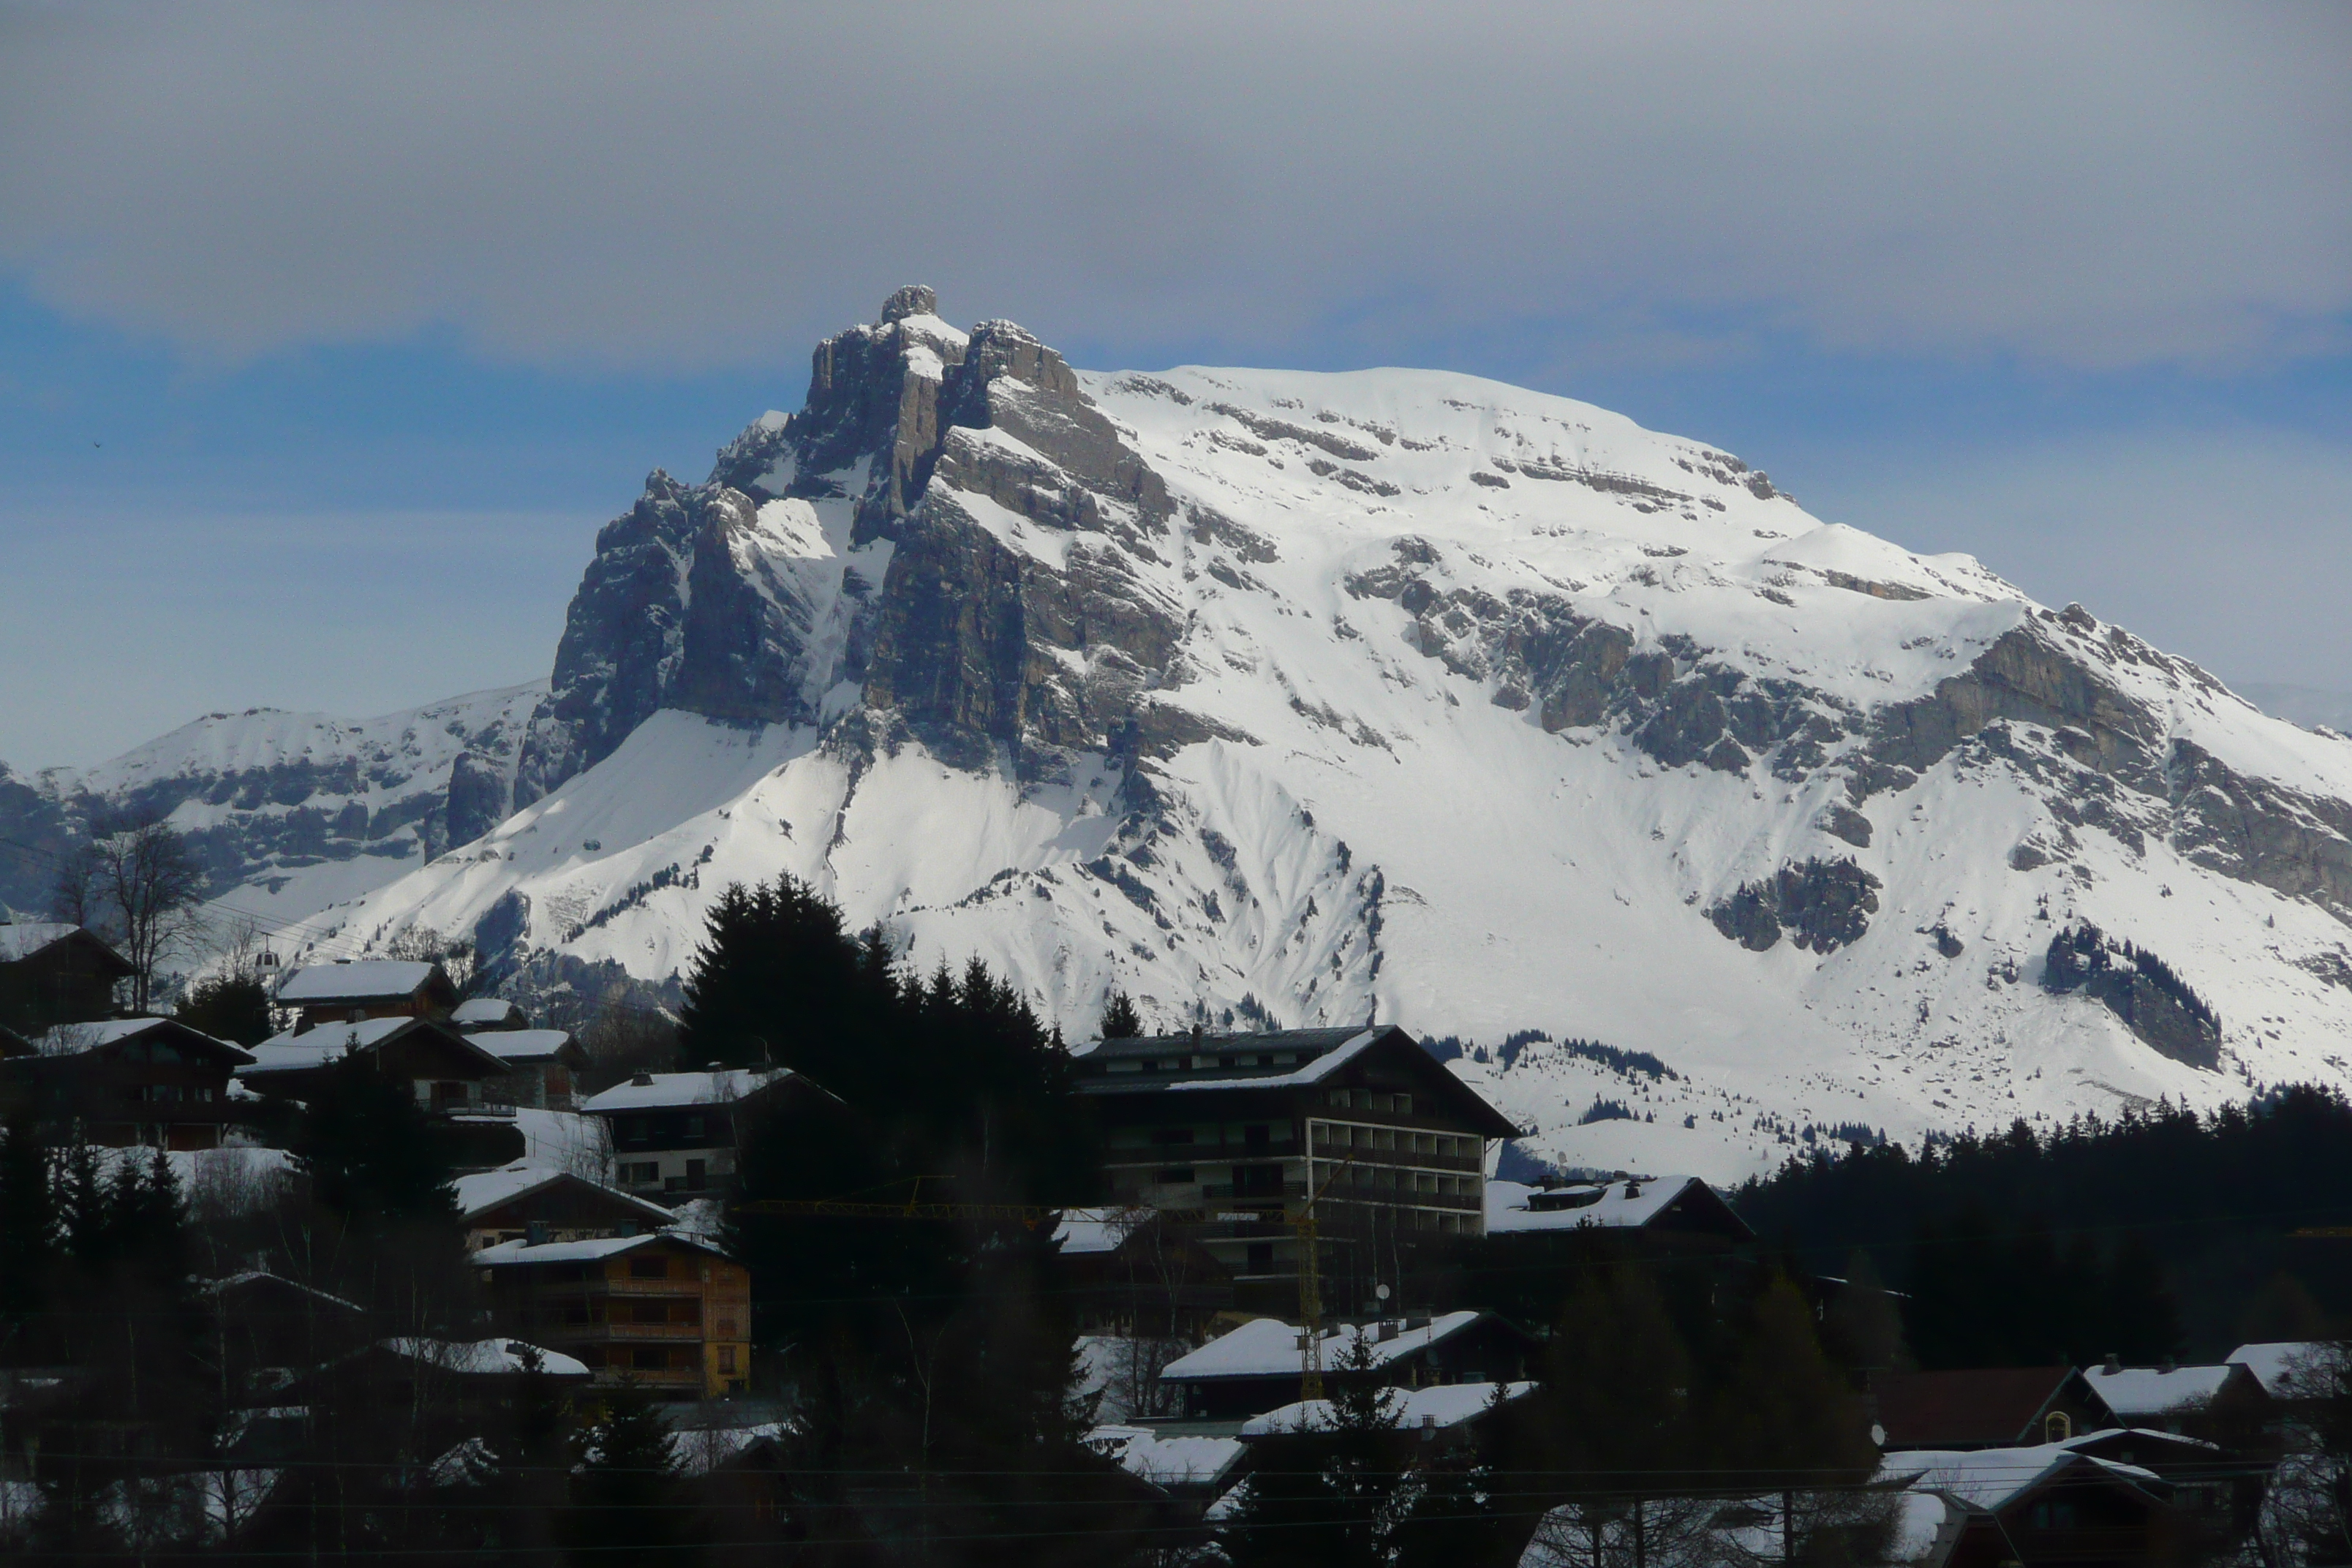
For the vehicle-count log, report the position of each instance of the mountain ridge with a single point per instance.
(1286, 697)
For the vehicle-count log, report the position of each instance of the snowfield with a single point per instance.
(1391, 786)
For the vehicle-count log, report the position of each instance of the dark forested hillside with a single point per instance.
(2162, 1234)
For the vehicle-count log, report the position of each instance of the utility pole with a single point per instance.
(1311, 1281)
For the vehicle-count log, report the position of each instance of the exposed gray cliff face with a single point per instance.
(978, 647)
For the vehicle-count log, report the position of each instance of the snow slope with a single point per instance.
(1273, 696)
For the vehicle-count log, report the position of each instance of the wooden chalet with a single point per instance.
(664, 1313)
(52, 972)
(265, 1327)
(1131, 1272)
(126, 1082)
(1260, 1367)
(675, 1134)
(349, 991)
(522, 1202)
(1236, 1134)
(541, 1065)
(1985, 1408)
(2040, 1507)
(443, 1068)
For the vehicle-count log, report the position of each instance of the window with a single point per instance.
(726, 1358)
(649, 1311)
(648, 1267)
(1172, 1135)
(1261, 1256)
(648, 1358)
(2058, 1427)
(697, 1175)
(1173, 1176)
(694, 1128)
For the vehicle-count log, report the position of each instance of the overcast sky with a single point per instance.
(328, 335)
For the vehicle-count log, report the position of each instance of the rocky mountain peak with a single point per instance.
(914, 300)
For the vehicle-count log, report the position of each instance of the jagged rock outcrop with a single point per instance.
(1823, 904)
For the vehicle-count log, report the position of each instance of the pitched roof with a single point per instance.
(486, 1190)
(508, 1253)
(74, 1039)
(361, 980)
(1985, 1404)
(1084, 1231)
(482, 1358)
(1993, 1477)
(485, 1013)
(1173, 1462)
(1215, 1063)
(299, 1051)
(663, 1091)
(1441, 1405)
(517, 1047)
(23, 939)
(1268, 1347)
(2133, 1391)
(2273, 1361)
(1621, 1203)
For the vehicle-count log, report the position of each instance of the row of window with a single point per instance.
(648, 1173)
(1204, 1063)
(663, 1129)
(1372, 1100)
(1397, 1140)
(173, 1093)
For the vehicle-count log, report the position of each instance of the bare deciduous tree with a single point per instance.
(138, 887)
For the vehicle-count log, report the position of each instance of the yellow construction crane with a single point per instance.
(1310, 1287)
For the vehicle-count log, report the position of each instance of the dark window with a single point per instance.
(648, 1267)
(649, 1312)
(649, 1358)
(1178, 1173)
(1256, 1138)
(1261, 1256)
(686, 1311)
(1172, 1135)
(694, 1128)
(697, 1175)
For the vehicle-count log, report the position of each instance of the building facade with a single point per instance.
(1240, 1135)
(132, 1081)
(662, 1312)
(675, 1134)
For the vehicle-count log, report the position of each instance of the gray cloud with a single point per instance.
(2089, 185)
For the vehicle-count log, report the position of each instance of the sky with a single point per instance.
(329, 336)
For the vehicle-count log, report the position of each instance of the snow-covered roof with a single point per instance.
(1440, 1405)
(520, 1045)
(1620, 1202)
(489, 1357)
(485, 1013)
(486, 1190)
(231, 1281)
(1082, 1231)
(363, 980)
(1309, 1072)
(1167, 1461)
(2137, 1391)
(331, 1043)
(2106, 1434)
(664, 1090)
(27, 938)
(513, 1252)
(72, 1039)
(1990, 1478)
(1268, 1347)
(2273, 1361)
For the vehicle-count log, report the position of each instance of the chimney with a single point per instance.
(534, 1233)
(643, 1080)
(1428, 1429)
(2114, 1364)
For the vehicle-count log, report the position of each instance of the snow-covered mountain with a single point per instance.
(1289, 697)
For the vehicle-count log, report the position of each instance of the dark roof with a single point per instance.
(23, 940)
(1279, 1059)
(1981, 1406)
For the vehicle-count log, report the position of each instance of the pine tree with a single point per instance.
(233, 1007)
(624, 1491)
(28, 1231)
(372, 1153)
(1121, 1021)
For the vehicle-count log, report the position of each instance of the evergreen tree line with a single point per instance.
(2154, 1235)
